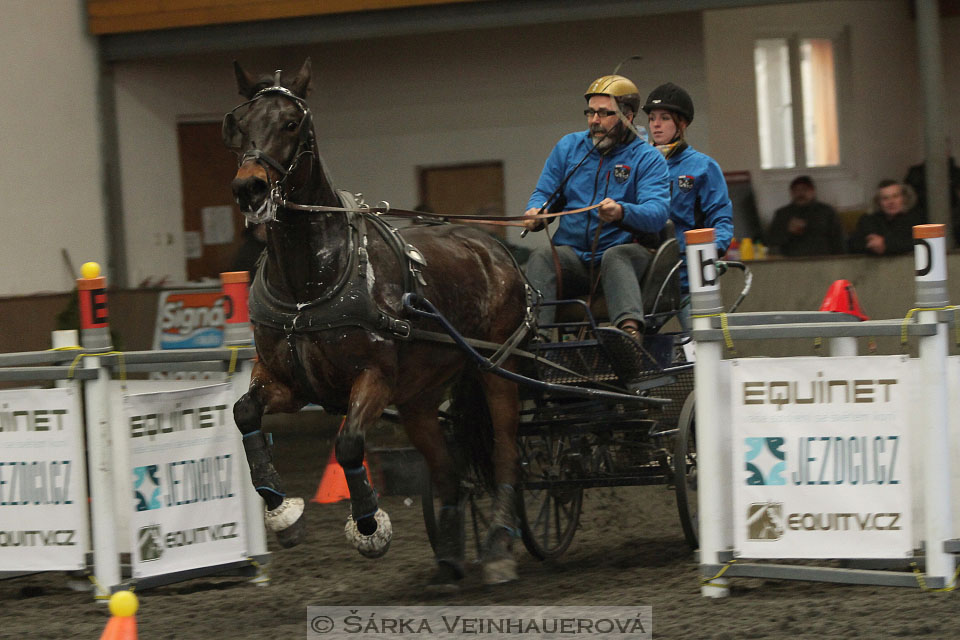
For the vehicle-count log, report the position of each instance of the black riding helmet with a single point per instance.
(672, 98)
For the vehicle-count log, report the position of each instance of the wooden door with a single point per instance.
(212, 223)
(469, 189)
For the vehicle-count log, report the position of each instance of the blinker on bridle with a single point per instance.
(268, 208)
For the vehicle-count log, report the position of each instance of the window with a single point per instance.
(796, 102)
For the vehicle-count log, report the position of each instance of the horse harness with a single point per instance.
(349, 302)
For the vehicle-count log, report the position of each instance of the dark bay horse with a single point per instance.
(330, 327)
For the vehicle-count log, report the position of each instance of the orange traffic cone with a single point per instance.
(333, 484)
(842, 298)
(122, 624)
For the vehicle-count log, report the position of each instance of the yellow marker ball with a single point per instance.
(90, 270)
(123, 604)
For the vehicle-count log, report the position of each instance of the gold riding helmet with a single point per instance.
(617, 87)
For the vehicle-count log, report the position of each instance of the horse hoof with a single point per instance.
(292, 535)
(377, 543)
(445, 580)
(499, 571)
(286, 521)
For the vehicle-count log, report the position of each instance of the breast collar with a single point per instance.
(349, 303)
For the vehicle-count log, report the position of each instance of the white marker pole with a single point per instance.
(714, 492)
(929, 241)
(95, 337)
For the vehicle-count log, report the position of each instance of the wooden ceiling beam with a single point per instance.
(131, 16)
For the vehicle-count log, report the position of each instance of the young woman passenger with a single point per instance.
(698, 191)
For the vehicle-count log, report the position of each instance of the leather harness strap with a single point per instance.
(511, 221)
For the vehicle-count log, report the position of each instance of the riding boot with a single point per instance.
(450, 539)
(450, 552)
(363, 499)
(349, 449)
(265, 478)
(284, 516)
(499, 564)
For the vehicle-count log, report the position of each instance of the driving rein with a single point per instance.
(329, 311)
(276, 200)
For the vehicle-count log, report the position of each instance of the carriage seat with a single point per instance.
(659, 288)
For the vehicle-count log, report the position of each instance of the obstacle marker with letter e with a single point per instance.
(173, 465)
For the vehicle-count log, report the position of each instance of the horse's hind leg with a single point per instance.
(420, 420)
(284, 516)
(369, 527)
(499, 564)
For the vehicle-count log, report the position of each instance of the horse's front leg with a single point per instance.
(368, 527)
(499, 565)
(284, 516)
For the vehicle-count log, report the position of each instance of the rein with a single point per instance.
(506, 221)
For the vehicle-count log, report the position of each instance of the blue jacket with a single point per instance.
(634, 175)
(699, 199)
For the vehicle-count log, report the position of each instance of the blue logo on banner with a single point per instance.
(146, 487)
(765, 454)
(200, 339)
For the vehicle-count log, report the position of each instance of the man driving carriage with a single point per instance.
(607, 165)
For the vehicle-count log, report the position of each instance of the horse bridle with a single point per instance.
(277, 200)
(305, 147)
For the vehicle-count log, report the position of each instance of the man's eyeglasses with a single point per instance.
(603, 113)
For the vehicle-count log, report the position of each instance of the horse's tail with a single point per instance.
(473, 428)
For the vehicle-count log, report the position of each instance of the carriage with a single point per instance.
(600, 409)
(355, 315)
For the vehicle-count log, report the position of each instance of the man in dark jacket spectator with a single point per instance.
(889, 229)
(806, 226)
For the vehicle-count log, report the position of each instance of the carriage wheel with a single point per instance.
(476, 504)
(548, 516)
(685, 472)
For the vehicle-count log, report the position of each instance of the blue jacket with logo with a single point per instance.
(699, 199)
(634, 175)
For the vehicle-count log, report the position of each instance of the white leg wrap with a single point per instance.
(376, 544)
(283, 516)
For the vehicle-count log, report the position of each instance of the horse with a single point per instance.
(330, 329)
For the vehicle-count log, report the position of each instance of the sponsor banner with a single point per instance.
(43, 502)
(821, 457)
(190, 320)
(186, 468)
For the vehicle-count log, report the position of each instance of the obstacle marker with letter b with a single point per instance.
(839, 457)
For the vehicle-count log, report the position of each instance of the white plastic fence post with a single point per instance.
(95, 337)
(931, 291)
(845, 346)
(714, 491)
(238, 333)
(65, 339)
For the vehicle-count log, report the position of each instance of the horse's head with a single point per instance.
(271, 131)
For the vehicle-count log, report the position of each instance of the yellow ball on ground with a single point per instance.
(90, 270)
(123, 604)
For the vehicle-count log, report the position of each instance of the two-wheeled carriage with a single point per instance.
(600, 409)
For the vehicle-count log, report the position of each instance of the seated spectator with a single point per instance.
(806, 226)
(888, 230)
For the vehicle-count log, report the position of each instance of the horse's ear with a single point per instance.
(301, 84)
(246, 84)
(230, 131)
